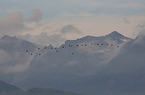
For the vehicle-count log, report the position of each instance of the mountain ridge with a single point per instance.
(111, 36)
(84, 65)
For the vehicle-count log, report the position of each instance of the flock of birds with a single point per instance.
(85, 45)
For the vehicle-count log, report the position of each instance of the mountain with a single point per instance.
(113, 36)
(13, 44)
(70, 66)
(13, 57)
(73, 66)
(124, 75)
(117, 37)
(7, 88)
(46, 91)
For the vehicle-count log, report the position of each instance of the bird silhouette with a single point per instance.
(117, 46)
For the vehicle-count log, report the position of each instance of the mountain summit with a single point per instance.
(117, 37)
(115, 33)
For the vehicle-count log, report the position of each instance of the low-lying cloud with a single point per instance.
(141, 30)
(36, 16)
(69, 29)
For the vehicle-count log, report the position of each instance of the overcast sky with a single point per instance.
(54, 21)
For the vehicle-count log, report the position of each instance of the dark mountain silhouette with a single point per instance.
(46, 91)
(7, 89)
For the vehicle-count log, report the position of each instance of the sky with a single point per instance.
(55, 21)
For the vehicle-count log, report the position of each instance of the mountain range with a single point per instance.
(108, 65)
(7, 89)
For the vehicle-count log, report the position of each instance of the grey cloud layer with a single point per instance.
(53, 8)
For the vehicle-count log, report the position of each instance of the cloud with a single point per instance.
(56, 37)
(15, 68)
(133, 6)
(4, 55)
(13, 62)
(15, 23)
(141, 30)
(44, 39)
(36, 15)
(69, 29)
(126, 20)
(12, 24)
